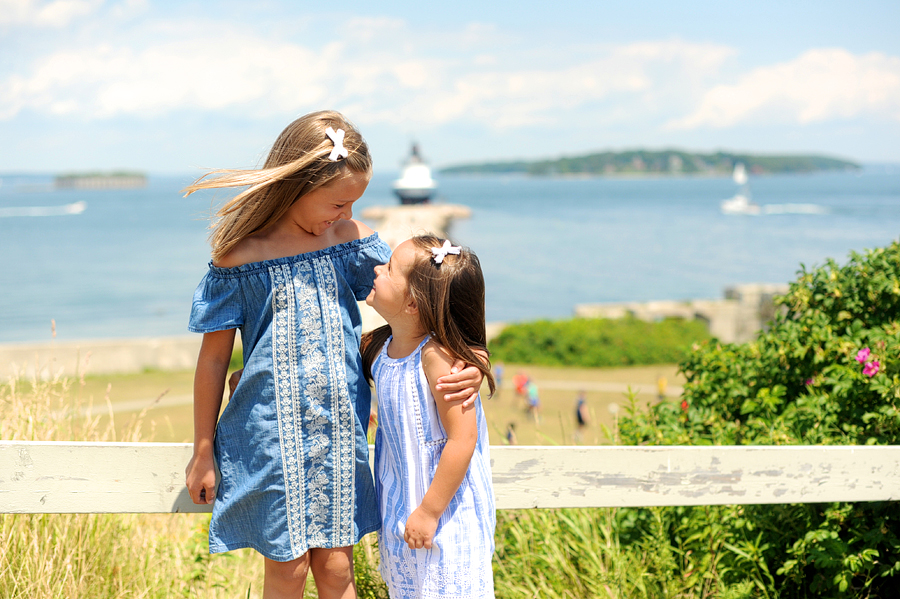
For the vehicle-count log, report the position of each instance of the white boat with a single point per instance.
(741, 202)
(415, 185)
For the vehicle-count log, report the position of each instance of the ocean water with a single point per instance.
(124, 263)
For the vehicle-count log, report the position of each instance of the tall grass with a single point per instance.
(103, 555)
(552, 554)
(578, 554)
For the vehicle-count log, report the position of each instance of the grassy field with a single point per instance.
(162, 555)
(604, 390)
(166, 397)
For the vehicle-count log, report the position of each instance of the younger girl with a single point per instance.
(432, 469)
(288, 266)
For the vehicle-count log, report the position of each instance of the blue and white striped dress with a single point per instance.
(408, 446)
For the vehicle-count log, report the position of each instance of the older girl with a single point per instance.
(288, 266)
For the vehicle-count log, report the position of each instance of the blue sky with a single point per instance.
(174, 87)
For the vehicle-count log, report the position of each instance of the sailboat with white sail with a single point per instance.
(740, 203)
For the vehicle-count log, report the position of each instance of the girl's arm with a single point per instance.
(462, 435)
(209, 386)
(462, 382)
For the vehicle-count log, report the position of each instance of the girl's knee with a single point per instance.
(287, 577)
(333, 571)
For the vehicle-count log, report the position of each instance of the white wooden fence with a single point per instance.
(67, 477)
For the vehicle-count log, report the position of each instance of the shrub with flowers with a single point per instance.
(871, 367)
(827, 371)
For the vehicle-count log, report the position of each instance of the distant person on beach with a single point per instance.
(533, 398)
(288, 267)
(511, 438)
(520, 381)
(498, 377)
(581, 411)
(581, 415)
(432, 462)
(661, 384)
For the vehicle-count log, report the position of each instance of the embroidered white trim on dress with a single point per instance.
(343, 417)
(328, 418)
(285, 360)
(314, 420)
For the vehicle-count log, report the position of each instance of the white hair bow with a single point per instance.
(441, 252)
(338, 139)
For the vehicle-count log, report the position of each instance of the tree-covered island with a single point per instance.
(661, 162)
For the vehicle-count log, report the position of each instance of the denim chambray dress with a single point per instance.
(291, 444)
(408, 446)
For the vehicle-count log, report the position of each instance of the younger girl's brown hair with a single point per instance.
(450, 300)
(297, 164)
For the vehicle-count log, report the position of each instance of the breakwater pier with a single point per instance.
(396, 224)
(738, 317)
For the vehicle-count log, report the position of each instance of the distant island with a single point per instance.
(662, 162)
(95, 180)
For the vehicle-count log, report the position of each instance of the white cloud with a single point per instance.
(820, 85)
(206, 73)
(385, 71)
(57, 14)
(513, 88)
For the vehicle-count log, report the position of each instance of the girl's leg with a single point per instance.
(333, 572)
(285, 579)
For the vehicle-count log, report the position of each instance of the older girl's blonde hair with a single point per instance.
(297, 164)
(450, 300)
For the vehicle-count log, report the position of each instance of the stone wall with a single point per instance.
(738, 317)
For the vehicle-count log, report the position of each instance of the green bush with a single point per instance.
(826, 372)
(596, 342)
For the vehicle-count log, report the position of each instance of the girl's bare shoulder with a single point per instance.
(269, 245)
(350, 230)
(436, 360)
(246, 251)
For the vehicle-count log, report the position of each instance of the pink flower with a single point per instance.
(863, 355)
(871, 368)
(809, 381)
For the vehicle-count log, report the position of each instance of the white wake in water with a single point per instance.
(73, 208)
(794, 209)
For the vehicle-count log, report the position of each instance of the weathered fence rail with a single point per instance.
(69, 477)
